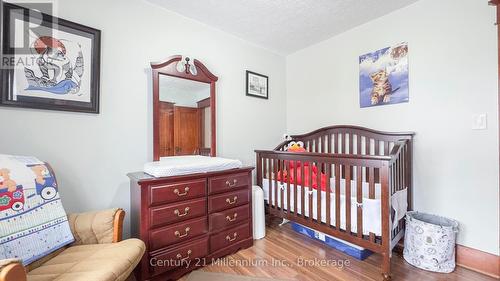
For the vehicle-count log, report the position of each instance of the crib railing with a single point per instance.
(392, 172)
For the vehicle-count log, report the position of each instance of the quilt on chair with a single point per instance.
(33, 222)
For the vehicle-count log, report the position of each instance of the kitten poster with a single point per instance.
(383, 76)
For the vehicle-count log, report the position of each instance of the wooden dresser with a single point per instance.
(189, 221)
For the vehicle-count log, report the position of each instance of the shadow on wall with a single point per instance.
(122, 195)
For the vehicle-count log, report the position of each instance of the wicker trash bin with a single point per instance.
(430, 242)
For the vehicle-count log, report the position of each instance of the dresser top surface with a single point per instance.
(143, 178)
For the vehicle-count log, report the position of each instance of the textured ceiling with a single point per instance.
(283, 26)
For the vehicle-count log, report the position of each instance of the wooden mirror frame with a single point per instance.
(169, 67)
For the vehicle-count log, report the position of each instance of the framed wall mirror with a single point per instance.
(184, 115)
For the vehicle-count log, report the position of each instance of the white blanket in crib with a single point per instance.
(371, 207)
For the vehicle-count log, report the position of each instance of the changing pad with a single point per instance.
(191, 164)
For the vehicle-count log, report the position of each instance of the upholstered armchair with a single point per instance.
(98, 253)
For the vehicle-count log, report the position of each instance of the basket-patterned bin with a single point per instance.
(430, 242)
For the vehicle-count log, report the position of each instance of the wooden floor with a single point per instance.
(278, 256)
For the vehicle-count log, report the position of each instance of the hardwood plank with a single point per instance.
(288, 250)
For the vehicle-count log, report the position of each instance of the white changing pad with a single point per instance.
(190, 164)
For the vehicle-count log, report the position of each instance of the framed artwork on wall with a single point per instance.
(383, 76)
(257, 85)
(48, 63)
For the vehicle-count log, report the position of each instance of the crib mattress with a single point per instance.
(189, 164)
(371, 207)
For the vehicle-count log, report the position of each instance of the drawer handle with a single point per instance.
(235, 198)
(228, 183)
(178, 213)
(232, 219)
(178, 234)
(179, 256)
(228, 238)
(186, 189)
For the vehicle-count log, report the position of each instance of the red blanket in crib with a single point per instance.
(296, 170)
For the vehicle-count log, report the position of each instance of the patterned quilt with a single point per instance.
(33, 222)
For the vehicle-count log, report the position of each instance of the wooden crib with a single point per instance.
(357, 155)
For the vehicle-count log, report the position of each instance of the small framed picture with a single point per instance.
(53, 64)
(257, 85)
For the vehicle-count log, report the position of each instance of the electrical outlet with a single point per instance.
(479, 121)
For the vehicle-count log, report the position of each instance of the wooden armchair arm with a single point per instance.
(97, 227)
(12, 270)
(118, 225)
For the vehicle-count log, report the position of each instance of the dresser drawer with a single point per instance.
(178, 212)
(181, 256)
(177, 191)
(227, 183)
(228, 200)
(229, 237)
(176, 233)
(223, 219)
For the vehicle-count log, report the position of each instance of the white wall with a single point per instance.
(93, 153)
(453, 74)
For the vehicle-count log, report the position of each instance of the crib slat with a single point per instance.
(310, 194)
(267, 169)
(345, 136)
(264, 167)
(269, 175)
(275, 169)
(351, 143)
(328, 193)
(371, 192)
(260, 168)
(288, 188)
(359, 199)
(358, 144)
(371, 183)
(403, 181)
(329, 143)
(337, 197)
(386, 148)
(335, 143)
(281, 191)
(348, 199)
(295, 189)
(377, 152)
(303, 193)
(341, 142)
(318, 192)
(367, 152)
(398, 172)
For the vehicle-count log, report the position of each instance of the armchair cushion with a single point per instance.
(93, 227)
(99, 262)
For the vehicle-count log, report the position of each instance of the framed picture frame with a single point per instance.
(383, 76)
(54, 65)
(257, 85)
